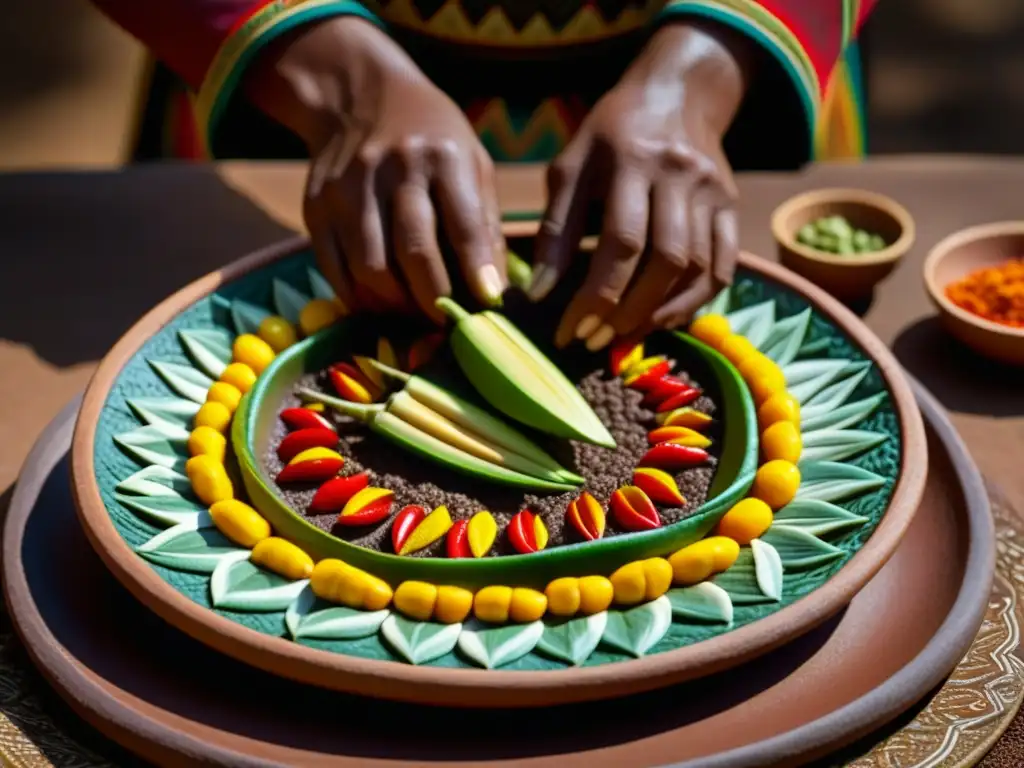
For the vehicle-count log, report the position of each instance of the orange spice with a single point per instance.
(994, 293)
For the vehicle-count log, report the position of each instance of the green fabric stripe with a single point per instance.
(749, 27)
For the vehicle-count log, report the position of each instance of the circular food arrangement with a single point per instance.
(470, 497)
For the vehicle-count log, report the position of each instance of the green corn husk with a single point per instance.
(384, 419)
(476, 420)
(515, 377)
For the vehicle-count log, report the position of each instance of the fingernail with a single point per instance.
(600, 338)
(544, 279)
(491, 283)
(587, 326)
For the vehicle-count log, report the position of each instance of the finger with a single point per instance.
(669, 240)
(681, 308)
(562, 226)
(726, 230)
(618, 251)
(329, 257)
(357, 224)
(702, 228)
(414, 229)
(464, 210)
(492, 211)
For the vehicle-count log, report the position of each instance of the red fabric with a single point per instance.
(818, 25)
(184, 34)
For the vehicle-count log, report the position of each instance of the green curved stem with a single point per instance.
(359, 411)
(452, 309)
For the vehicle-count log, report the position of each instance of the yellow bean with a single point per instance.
(240, 376)
(277, 332)
(239, 522)
(283, 558)
(416, 599)
(339, 582)
(782, 441)
(745, 521)
(317, 315)
(214, 415)
(776, 483)
(563, 596)
(629, 583)
(209, 479)
(725, 550)
(657, 577)
(527, 605)
(252, 351)
(453, 604)
(207, 441)
(711, 329)
(693, 564)
(596, 594)
(491, 604)
(226, 394)
(781, 406)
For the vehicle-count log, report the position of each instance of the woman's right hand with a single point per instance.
(390, 155)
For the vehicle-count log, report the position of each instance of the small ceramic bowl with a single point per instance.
(845, 276)
(957, 256)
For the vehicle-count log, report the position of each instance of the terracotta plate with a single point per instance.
(151, 688)
(182, 599)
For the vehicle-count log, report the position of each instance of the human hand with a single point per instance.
(385, 144)
(651, 149)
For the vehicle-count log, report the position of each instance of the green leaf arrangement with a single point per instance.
(809, 539)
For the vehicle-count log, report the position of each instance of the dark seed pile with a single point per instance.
(416, 481)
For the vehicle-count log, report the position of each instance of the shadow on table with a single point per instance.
(86, 254)
(959, 378)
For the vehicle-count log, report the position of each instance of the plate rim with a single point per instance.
(471, 687)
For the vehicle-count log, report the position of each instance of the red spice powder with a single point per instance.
(994, 293)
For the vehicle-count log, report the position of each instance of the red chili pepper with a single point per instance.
(458, 540)
(297, 442)
(315, 471)
(372, 513)
(350, 383)
(679, 399)
(633, 510)
(332, 495)
(663, 389)
(303, 418)
(586, 516)
(674, 456)
(624, 353)
(522, 533)
(650, 377)
(405, 523)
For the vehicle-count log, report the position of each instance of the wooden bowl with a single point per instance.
(845, 276)
(957, 256)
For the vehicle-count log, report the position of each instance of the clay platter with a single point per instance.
(149, 688)
(174, 599)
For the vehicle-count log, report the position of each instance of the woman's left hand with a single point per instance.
(651, 149)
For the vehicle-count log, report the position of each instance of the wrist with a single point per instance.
(709, 63)
(309, 80)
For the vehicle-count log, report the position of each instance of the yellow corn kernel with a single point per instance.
(453, 604)
(745, 521)
(209, 479)
(725, 551)
(317, 315)
(283, 558)
(711, 329)
(491, 604)
(693, 564)
(596, 594)
(416, 599)
(781, 406)
(240, 376)
(339, 582)
(226, 394)
(213, 415)
(252, 351)
(782, 441)
(629, 583)
(563, 596)
(526, 605)
(207, 441)
(776, 483)
(239, 522)
(657, 577)
(277, 332)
